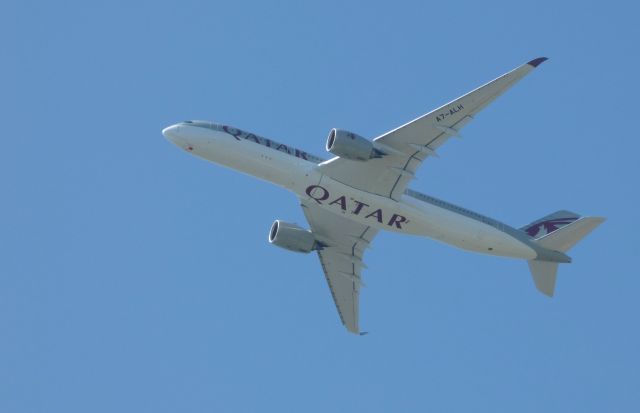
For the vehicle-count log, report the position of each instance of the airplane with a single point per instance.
(362, 190)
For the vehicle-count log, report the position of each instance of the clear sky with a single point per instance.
(136, 278)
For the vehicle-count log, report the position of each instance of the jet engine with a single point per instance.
(291, 237)
(348, 145)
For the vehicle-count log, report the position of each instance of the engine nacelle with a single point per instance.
(291, 237)
(348, 145)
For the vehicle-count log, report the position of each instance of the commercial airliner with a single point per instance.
(362, 190)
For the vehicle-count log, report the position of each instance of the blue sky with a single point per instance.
(137, 278)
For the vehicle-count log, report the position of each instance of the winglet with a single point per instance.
(537, 62)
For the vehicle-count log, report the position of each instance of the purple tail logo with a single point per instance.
(543, 228)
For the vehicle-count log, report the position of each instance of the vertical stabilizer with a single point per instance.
(568, 236)
(556, 233)
(551, 223)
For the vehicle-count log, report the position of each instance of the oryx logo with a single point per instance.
(547, 227)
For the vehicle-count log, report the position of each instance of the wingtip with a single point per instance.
(537, 62)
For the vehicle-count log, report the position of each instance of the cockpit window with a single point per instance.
(202, 124)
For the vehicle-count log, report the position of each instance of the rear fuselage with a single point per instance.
(297, 171)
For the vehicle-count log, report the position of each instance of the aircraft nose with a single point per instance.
(176, 135)
(172, 133)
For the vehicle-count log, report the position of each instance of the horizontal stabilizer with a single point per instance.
(544, 276)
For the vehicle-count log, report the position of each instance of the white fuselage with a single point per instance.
(297, 171)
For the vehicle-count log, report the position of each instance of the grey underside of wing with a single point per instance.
(413, 142)
(341, 258)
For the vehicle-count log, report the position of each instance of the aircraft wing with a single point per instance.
(410, 144)
(341, 258)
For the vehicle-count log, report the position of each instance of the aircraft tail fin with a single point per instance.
(566, 237)
(546, 225)
(557, 232)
